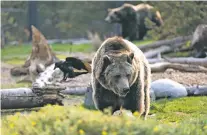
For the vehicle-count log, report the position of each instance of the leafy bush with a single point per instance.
(180, 18)
(58, 120)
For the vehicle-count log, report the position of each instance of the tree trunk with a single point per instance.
(41, 57)
(32, 16)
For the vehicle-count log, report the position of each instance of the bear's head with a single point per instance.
(157, 19)
(123, 13)
(119, 73)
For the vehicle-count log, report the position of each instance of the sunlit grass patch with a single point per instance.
(16, 85)
(180, 109)
(15, 61)
(78, 120)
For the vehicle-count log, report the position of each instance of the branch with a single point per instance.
(162, 49)
(160, 67)
(182, 60)
(165, 42)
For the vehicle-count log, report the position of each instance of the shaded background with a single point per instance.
(69, 19)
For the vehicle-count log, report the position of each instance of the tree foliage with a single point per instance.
(180, 18)
(72, 19)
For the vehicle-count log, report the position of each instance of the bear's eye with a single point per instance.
(128, 75)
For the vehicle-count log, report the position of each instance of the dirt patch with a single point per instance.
(6, 77)
(185, 78)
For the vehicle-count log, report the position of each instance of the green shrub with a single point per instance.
(58, 120)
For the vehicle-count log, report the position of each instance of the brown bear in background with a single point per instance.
(132, 18)
(121, 77)
(199, 41)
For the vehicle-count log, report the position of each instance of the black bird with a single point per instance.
(78, 64)
(67, 67)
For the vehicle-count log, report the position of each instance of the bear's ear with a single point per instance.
(130, 57)
(107, 60)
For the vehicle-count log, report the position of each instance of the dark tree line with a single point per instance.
(70, 19)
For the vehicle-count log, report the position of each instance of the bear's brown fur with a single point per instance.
(132, 18)
(121, 77)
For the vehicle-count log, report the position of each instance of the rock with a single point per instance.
(88, 101)
(163, 88)
(125, 113)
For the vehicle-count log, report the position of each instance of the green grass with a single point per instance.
(16, 85)
(176, 110)
(58, 120)
(22, 51)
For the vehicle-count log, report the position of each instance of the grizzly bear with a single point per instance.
(121, 77)
(199, 41)
(132, 18)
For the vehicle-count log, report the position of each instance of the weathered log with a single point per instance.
(160, 67)
(162, 49)
(179, 50)
(75, 91)
(28, 98)
(189, 60)
(181, 60)
(19, 98)
(169, 42)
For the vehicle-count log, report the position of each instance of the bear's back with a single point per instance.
(118, 45)
(143, 7)
(115, 45)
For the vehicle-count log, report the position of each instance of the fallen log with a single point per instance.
(161, 67)
(189, 60)
(169, 42)
(28, 98)
(75, 91)
(179, 50)
(162, 49)
(181, 60)
(19, 98)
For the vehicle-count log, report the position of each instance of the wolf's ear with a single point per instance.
(130, 57)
